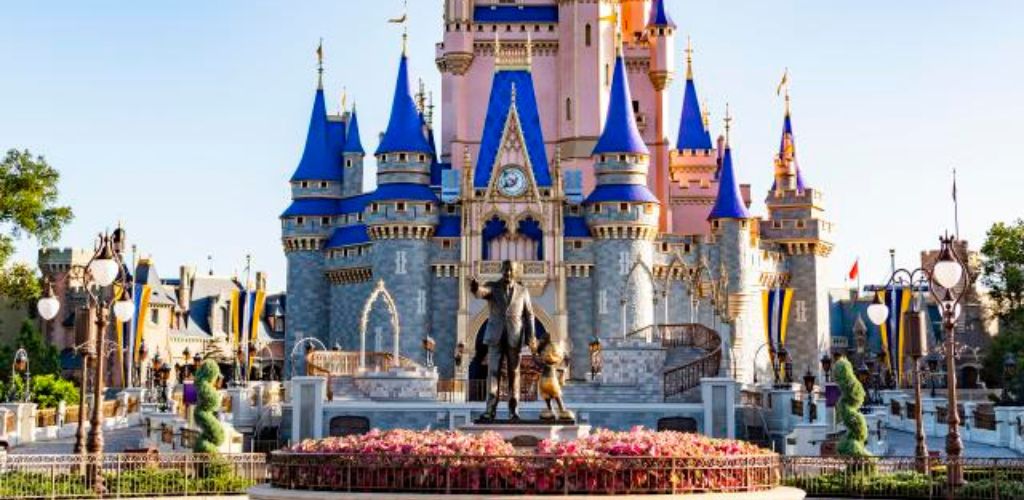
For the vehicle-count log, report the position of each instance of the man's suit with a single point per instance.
(510, 324)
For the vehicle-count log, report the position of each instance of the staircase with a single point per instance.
(694, 351)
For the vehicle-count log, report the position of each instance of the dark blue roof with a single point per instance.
(353, 144)
(729, 202)
(404, 191)
(449, 226)
(311, 206)
(348, 235)
(354, 204)
(515, 14)
(692, 134)
(787, 132)
(575, 227)
(316, 162)
(621, 192)
(494, 126)
(405, 128)
(659, 15)
(620, 134)
(336, 144)
(435, 166)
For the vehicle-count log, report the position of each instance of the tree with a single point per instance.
(848, 410)
(43, 358)
(211, 435)
(1003, 269)
(1003, 274)
(49, 390)
(28, 206)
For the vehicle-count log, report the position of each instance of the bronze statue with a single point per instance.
(549, 386)
(509, 325)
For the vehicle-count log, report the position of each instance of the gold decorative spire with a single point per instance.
(728, 122)
(344, 100)
(614, 18)
(784, 87)
(320, 64)
(706, 112)
(405, 28)
(689, 59)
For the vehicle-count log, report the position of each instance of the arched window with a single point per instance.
(587, 34)
(607, 75)
(568, 108)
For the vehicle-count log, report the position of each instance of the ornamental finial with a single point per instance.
(728, 122)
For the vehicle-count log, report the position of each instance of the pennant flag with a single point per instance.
(855, 270)
(138, 329)
(783, 82)
(775, 305)
(898, 301)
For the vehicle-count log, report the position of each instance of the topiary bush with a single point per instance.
(848, 411)
(211, 435)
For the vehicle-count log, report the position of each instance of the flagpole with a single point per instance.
(956, 208)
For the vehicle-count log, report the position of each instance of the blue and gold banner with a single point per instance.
(775, 305)
(137, 330)
(898, 301)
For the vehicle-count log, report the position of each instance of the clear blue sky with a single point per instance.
(186, 119)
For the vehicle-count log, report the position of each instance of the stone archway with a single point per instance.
(638, 267)
(382, 292)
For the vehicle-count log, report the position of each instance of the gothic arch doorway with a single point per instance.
(380, 291)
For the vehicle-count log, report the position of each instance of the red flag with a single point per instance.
(855, 270)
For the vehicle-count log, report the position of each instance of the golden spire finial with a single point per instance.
(728, 122)
(529, 49)
(689, 58)
(344, 100)
(320, 64)
(614, 18)
(405, 28)
(706, 114)
(784, 86)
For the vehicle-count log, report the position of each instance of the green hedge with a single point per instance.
(208, 479)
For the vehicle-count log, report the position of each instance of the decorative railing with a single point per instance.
(903, 477)
(942, 414)
(752, 398)
(346, 363)
(130, 475)
(985, 417)
(895, 409)
(687, 376)
(46, 417)
(522, 474)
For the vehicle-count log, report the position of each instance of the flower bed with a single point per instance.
(639, 461)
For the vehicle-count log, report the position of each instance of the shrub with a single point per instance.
(211, 435)
(848, 410)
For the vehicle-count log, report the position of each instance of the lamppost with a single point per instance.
(942, 280)
(428, 350)
(105, 269)
(20, 365)
(309, 343)
(1009, 372)
(809, 390)
(826, 365)
(933, 367)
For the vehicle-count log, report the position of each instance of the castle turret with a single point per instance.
(403, 215)
(797, 225)
(352, 157)
(660, 32)
(735, 238)
(694, 164)
(622, 214)
(305, 225)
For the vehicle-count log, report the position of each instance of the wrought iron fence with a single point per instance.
(129, 475)
(683, 378)
(903, 477)
(519, 474)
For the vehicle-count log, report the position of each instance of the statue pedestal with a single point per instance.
(529, 433)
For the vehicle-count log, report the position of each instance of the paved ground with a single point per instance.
(113, 441)
(902, 444)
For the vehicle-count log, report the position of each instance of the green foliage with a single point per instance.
(211, 435)
(848, 410)
(28, 205)
(49, 390)
(1003, 268)
(1003, 275)
(43, 357)
(145, 481)
(895, 485)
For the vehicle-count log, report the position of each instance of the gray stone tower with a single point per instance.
(305, 227)
(622, 215)
(352, 158)
(402, 217)
(797, 226)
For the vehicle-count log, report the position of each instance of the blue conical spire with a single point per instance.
(620, 133)
(693, 134)
(353, 144)
(316, 161)
(659, 15)
(787, 147)
(405, 128)
(729, 202)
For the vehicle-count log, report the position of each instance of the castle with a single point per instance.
(553, 151)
